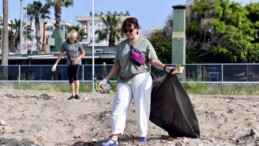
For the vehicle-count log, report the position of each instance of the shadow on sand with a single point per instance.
(132, 140)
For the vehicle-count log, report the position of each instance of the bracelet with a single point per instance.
(165, 67)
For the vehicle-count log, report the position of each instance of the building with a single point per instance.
(10, 24)
(103, 52)
(50, 26)
(86, 23)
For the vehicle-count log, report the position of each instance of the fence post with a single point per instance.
(40, 73)
(83, 73)
(247, 77)
(19, 74)
(222, 71)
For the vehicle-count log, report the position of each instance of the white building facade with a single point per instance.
(86, 23)
(50, 26)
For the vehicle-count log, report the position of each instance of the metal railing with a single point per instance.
(200, 73)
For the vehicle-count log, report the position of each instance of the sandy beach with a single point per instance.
(46, 118)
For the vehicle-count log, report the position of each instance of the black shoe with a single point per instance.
(71, 97)
(77, 97)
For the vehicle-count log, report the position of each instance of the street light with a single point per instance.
(21, 28)
(93, 41)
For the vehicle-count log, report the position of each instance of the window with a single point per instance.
(49, 28)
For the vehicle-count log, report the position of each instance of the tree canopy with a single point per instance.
(222, 31)
(217, 31)
(111, 29)
(162, 41)
(57, 4)
(37, 11)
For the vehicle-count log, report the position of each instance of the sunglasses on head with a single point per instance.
(129, 30)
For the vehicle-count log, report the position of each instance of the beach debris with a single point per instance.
(21, 130)
(42, 96)
(3, 123)
(178, 143)
(77, 136)
(45, 96)
(15, 142)
(11, 96)
(42, 139)
(211, 114)
(247, 138)
(185, 140)
(2, 130)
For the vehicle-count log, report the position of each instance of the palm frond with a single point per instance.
(111, 30)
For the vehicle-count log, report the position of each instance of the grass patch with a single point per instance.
(23, 86)
(51, 87)
(191, 88)
(224, 89)
(59, 87)
(195, 88)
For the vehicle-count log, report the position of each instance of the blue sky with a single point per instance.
(151, 13)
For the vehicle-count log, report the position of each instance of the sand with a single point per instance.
(46, 118)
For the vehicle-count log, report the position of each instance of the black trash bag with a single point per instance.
(171, 108)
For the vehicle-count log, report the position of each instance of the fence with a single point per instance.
(207, 73)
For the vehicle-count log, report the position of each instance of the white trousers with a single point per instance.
(139, 87)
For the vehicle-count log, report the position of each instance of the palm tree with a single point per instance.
(14, 33)
(111, 31)
(1, 31)
(5, 43)
(57, 4)
(5, 48)
(81, 32)
(36, 11)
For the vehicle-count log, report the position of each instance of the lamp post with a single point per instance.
(93, 41)
(21, 29)
(26, 32)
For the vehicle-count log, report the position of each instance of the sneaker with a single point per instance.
(77, 97)
(71, 97)
(143, 140)
(110, 142)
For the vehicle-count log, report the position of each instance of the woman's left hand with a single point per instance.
(75, 61)
(169, 69)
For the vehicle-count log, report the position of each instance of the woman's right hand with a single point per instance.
(102, 83)
(54, 68)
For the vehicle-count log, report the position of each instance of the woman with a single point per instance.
(74, 51)
(133, 81)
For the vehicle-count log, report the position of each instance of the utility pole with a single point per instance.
(93, 41)
(21, 29)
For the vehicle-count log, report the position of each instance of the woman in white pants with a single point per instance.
(133, 81)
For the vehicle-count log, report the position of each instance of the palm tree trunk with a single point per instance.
(58, 13)
(38, 37)
(44, 38)
(111, 40)
(5, 43)
(5, 33)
